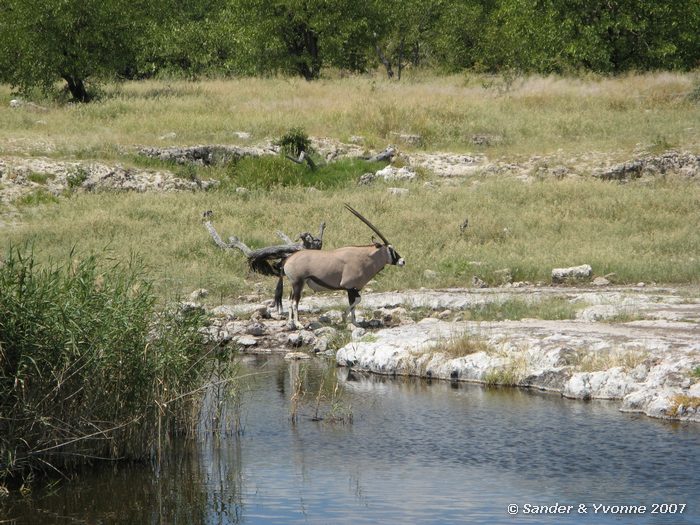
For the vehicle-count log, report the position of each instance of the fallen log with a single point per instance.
(385, 155)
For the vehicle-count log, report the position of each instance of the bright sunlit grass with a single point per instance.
(529, 115)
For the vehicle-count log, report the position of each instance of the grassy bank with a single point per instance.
(639, 232)
(642, 231)
(528, 115)
(89, 368)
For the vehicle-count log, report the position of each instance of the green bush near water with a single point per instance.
(89, 367)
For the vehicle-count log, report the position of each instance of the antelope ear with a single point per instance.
(376, 244)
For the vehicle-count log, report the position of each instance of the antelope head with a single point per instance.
(394, 257)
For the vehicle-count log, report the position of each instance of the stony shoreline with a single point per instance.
(640, 346)
(650, 362)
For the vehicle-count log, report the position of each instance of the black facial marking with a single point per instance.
(393, 255)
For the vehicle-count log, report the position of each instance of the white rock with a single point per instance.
(246, 340)
(390, 173)
(198, 294)
(574, 273)
(294, 356)
(225, 310)
(320, 345)
(358, 333)
(301, 338)
(331, 317)
(598, 312)
(256, 329)
(326, 331)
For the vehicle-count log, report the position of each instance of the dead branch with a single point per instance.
(387, 154)
(284, 237)
(266, 260)
(303, 157)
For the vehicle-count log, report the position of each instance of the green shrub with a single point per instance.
(89, 368)
(294, 142)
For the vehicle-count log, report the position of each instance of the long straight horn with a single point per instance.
(372, 226)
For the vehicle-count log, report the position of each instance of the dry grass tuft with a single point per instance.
(460, 346)
(681, 402)
(598, 361)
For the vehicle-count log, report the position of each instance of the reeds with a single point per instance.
(90, 368)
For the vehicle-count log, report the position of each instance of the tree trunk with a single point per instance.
(385, 61)
(312, 47)
(76, 86)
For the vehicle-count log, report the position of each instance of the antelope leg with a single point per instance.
(353, 299)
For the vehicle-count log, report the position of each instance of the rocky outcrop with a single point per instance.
(649, 363)
(681, 163)
(20, 176)
(389, 174)
(206, 155)
(648, 370)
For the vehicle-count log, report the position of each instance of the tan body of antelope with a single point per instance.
(349, 268)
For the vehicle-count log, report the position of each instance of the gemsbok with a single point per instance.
(349, 268)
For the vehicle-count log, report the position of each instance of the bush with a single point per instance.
(88, 367)
(294, 142)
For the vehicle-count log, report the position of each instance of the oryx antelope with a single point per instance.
(349, 268)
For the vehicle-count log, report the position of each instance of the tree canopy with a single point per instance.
(44, 41)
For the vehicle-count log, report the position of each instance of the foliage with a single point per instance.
(294, 142)
(88, 368)
(189, 39)
(43, 41)
(303, 36)
(601, 35)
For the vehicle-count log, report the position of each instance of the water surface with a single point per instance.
(415, 452)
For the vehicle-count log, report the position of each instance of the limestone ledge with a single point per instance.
(649, 367)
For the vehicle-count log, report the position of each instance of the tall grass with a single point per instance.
(270, 172)
(530, 115)
(640, 232)
(89, 367)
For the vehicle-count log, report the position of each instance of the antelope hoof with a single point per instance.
(294, 325)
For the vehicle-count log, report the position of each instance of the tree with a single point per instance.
(402, 32)
(303, 36)
(42, 41)
(189, 38)
(454, 39)
(608, 36)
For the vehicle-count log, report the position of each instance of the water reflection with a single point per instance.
(414, 452)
